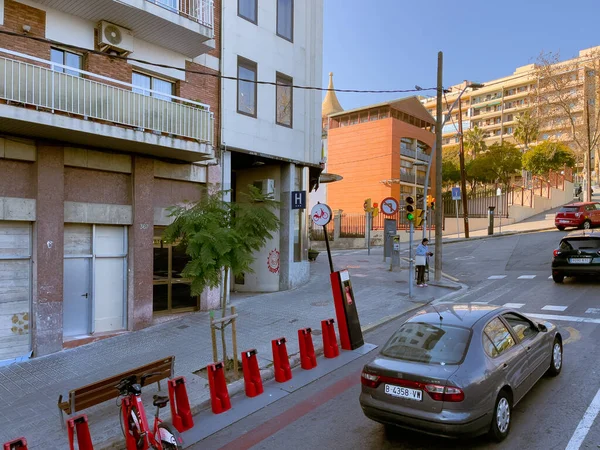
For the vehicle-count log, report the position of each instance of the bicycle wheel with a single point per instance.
(169, 437)
(133, 429)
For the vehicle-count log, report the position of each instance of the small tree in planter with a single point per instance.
(220, 235)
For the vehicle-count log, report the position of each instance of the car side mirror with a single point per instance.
(542, 327)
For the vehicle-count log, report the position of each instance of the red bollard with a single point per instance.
(252, 379)
(219, 397)
(308, 360)
(79, 425)
(17, 444)
(330, 345)
(181, 413)
(281, 362)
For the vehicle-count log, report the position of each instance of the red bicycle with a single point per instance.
(134, 424)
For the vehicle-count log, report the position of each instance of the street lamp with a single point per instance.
(447, 117)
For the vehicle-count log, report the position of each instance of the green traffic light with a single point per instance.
(410, 216)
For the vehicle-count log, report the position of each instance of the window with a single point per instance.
(248, 9)
(428, 343)
(246, 102)
(146, 83)
(284, 99)
(169, 4)
(285, 19)
(522, 327)
(66, 59)
(172, 292)
(496, 338)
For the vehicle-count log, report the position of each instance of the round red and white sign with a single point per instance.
(321, 214)
(389, 206)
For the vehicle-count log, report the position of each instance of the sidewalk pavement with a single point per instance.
(29, 390)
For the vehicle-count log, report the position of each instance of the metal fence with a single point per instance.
(46, 88)
(316, 232)
(478, 204)
(201, 11)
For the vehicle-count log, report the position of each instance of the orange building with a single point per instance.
(376, 150)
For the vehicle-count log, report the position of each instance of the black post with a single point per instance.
(328, 249)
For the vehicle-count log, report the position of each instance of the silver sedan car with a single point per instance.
(459, 370)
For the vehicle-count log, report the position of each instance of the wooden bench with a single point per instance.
(103, 390)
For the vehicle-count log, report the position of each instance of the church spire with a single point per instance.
(331, 105)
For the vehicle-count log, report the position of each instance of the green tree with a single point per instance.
(474, 140)
(217, 234)
(504, 160)
(548, 155)
(527, 129)
(450, 172)
(478, 171)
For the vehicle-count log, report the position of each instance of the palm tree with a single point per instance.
(474, 141)
(526, 129)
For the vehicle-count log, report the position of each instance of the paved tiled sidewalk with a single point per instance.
(29, 390)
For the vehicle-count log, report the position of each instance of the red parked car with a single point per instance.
(579, 215)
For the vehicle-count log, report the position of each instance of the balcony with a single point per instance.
(408, 153)
(184, 26)
(36, 101)
(423, 156)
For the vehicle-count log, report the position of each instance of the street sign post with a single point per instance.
(456, 198)
(321, 216)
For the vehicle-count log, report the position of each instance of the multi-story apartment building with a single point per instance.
(496, 106)
(271, 134)
(95, 143)
(380, 150)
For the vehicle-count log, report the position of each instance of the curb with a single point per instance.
(268, 374)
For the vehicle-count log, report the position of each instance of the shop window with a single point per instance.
(172, 292)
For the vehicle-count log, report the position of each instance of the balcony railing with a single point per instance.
(408, 152)
(48, 89)
(423, 156)
(201, 11)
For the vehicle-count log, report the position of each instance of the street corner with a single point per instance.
(570, 335)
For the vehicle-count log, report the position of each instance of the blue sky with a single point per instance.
(393, 44)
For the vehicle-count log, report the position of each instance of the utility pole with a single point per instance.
(439, 120)
(463, 173)
(588, 153)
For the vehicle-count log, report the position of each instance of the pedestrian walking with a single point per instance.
(422, 255)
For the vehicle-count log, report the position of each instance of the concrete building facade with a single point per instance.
(95, 144)
(271, 130)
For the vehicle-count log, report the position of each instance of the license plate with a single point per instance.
(564, 221)
(579, 260)
(402, 392)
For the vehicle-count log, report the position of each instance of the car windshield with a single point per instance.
(428, 343)
(569, 209)
(579, 244)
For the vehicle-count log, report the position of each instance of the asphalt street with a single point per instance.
(559, 413)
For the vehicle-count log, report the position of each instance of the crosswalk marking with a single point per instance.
(496, 277)
(593, 311)
(514, 305)
(554, 308)
(565, 318)
(526, 277)
(480, 303)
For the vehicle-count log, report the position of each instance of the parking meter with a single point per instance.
(491, 220)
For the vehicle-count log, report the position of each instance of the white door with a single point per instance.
(15, 289)
(110, 256)
(77, 281)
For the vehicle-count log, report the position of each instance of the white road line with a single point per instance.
(585, 424)
(593, 311)
(554, 308)
(550, 277)
(526, 277)
(480, 303)
(565, 318)
(496, 277)
(514, 305)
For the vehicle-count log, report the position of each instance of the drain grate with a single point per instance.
(183, 327)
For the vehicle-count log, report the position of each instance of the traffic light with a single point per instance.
(410, 209)
(432, 204)
(367, 205)
(429, 200)
(419, 213)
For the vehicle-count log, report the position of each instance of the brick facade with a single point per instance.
(15, 16)
(217, 27)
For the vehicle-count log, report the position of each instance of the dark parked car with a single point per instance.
(577, 254)
(579, 215)
(459, 370)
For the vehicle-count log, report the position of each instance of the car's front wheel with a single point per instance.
(558, 277)
(556, 362)
(586, 225)
(501, 418)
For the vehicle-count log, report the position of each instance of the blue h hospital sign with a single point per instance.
(298, 199)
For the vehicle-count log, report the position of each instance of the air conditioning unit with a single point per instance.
(112, 37)
(267, 187)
